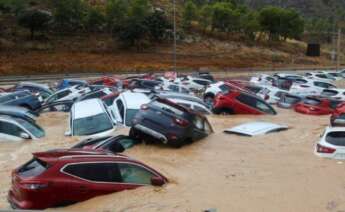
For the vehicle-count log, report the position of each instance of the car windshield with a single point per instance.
(329, 93)
(92, 125)
(33, 128)
(130, 113)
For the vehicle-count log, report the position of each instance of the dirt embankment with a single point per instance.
(100, 53)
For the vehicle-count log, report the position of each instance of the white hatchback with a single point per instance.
(332, 143)
(90, 118)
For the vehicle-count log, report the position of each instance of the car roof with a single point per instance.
(256, 128)
(87, 108)
(46, 87)
(334, 129)
(134, 100)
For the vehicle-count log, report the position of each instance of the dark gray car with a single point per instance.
(21, 98)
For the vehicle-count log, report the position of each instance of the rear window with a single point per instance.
(256, 103)
(168, 108)
(291, 99)
(33, 168)
(336, 138)
(224, 88)
(329, 92)
(312, 101)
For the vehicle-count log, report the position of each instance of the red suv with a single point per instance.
(315, 105)
(338, 116)
(61, 177)
(106, 81)
(238, 102)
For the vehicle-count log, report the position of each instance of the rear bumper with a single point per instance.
(16, 204)
(157, 135)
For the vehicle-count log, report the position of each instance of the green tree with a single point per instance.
(279, 22)
(34, 20)
(13, 6)
(205, 16)
(225, 17)
(157, 24)
(139, 9)
(250, 24)
(116, 12)
(94, 20)
(189, 14)
(69, 14)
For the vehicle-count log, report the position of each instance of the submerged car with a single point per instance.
(256, 128)
(65, 83)
(22, 99)
(164, 121)
(62, 177)
(18, 129)
(238, 102)
(288, 101)
(114, 144)
(18, 112)
(332, 143)
(316, 106)
(338, 116)
(90, 118)
(35, 88)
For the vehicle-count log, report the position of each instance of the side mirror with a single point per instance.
(25, 135)
(157, 181)
(68, 133)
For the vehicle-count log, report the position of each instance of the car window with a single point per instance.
(329, 92)
(323, 85)
(168, 108)
(92, 125)
(255, 103)
(131, 173)
(184, 90)
(173, 88)
(301, 81)
(311, 101)
(121, 108)
(185, 105)
(109, 101)
(33, 128)
(33, 168)
(224, 88)
(97, 172)
(63, 94)
(201, 82)
(336, 138)
(291, 99)
(200, 109)
(323, 76)
(10, 129)
(130, 113)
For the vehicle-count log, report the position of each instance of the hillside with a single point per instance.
(85, 51)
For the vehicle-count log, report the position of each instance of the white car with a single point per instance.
(271, 94)
(335, 93)
(331, 144)
(320, 76)
(213, 89)
(126, 106)
(90, 118)
(196, 106)
(70, 93)
(288, 76)
(311, 87)
(262, 79)
(17, 129)
(193, 83)
(175, 87)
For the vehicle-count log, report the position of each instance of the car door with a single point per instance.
(135, 175)
(90, 179)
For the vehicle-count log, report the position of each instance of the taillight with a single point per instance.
(181, 122)
(323, 149)
(34, 186)
(144, 107)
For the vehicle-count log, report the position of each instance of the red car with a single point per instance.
(106, 81)
(61, 177)
(238, 102)
(338, 116)
(316, 106)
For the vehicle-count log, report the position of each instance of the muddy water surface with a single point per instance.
(275, 172)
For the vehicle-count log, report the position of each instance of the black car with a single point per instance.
(164, 121)
(34, 88)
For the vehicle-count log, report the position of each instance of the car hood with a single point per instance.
(255, 128)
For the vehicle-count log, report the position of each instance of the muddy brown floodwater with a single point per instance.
(275, 172)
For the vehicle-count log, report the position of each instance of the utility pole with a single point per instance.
(338, 47)
(174, 48)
